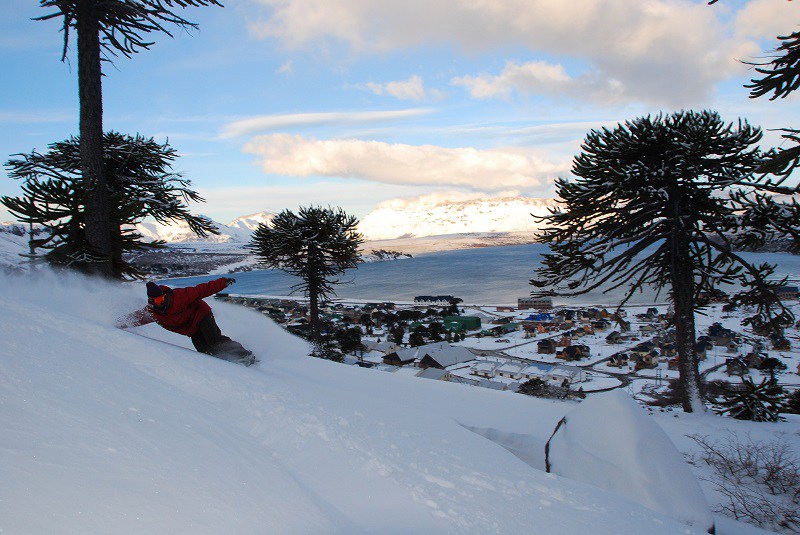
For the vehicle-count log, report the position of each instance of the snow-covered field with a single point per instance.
(108, 431)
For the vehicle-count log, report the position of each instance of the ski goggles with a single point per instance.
(158, 301)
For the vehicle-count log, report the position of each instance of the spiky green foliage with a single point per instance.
(54, 196)
(122, 23)
(780, 76)
(666, 202)
(749, 401)
(792, 402)
(316, 244)
(533, 387)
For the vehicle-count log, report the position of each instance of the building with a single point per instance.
(646, 361)
(442, 355)
(383, 347)
(571, 374)
(511, 370)
(434, 373)
(536, 370)
(486, 368)
(787, 292)
(402, 357)
(541, 317)
(506, 328)
(620, 360)
(601, 325)
(434, 299)
(736, 366)
(539, 303)
(462, 323)
(576, 352)
(492, 385)
(614, 337)
(546, 346)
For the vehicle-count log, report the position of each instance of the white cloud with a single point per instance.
(541, 78)
(411, 89)
(227, 203)
(395, 163)
(659, 50)
(766, 19)
(266, 123)
(286, 68)
(533, 77)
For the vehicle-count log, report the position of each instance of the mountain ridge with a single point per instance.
(395, 219)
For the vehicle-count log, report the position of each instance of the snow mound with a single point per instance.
(109, 431)
(610, 442)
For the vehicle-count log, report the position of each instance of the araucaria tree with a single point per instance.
(316, 244)
(667, 201)
(55, 196)
(116, 27)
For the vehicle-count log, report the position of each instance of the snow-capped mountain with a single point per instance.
(13, 243)
(237, 231)
(431, 216)
(245, 226)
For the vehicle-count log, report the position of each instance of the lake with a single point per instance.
(488, 275)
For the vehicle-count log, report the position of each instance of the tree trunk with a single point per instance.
(682, 276)
(313, 308)
(97, 220)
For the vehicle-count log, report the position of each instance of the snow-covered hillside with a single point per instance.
(431, 216)
(109, 431)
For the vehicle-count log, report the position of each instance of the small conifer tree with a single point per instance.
(315, 244)
(749, 401)
(55, 196)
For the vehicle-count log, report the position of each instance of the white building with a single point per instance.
(511, 370)
(486, 368)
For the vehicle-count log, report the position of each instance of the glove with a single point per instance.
(230, 281)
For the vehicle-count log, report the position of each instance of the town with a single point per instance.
(537, 348)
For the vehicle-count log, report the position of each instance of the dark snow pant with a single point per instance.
(210, 340)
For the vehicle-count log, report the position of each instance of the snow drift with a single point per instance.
(112, 431)
(610, 442)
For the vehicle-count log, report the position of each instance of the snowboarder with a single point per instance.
(182, 310)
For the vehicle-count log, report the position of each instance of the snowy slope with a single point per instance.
(108, 431)
(431, 216)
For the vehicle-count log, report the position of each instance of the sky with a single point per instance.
(276, 104)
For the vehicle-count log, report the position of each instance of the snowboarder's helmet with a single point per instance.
(154, 290)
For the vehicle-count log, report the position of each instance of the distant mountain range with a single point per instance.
(394, 219)
(421, 225)
(237, 231)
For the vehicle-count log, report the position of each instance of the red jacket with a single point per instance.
(186, 308)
